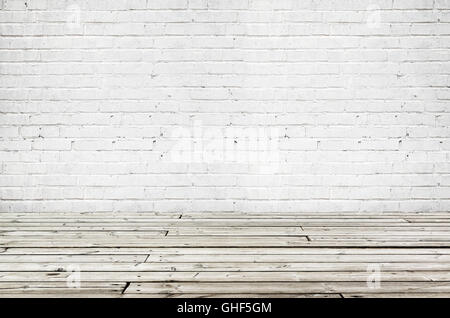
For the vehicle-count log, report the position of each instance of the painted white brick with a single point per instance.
(344, 104)
(9, 131)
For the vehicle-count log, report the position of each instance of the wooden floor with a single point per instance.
(225, 254)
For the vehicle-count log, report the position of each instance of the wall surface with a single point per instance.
(224, 105)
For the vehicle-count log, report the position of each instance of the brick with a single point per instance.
(224, 105)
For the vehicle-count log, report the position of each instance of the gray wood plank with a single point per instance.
(224, 267)
(194, 254)
(200, 276)
(288, 287)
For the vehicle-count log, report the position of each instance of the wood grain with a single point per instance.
(224, 254)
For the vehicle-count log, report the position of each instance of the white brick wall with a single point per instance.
(224, 105)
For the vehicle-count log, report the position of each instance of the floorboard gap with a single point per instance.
(125, 288)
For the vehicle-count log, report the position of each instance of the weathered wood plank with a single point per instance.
(224, 267)
(231, 224)
(216, 295)
(72, 258)
(339, 215)
(62, 293)
(225, 251)
(411, 230)
(398, 295)
(228, 258)
(80, 235)
(288, 287)
(218, 221)
(154, 241)
(224, 242)
(374, 229)
(241, 231)
(297, 258)
(99, 288)
(230, 214)
(299, 231)
(231, 253)
(199, 276)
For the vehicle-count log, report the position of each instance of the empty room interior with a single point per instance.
(225, 148)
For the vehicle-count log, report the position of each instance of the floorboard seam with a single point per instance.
(125, 288)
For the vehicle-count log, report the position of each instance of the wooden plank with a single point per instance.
(155, 242)
(87, 215)
(223, 242)
(215, 295)
(200, 276)
(419, 214)
(239, 231)
(225, 251)
(431, 220)
(378, 241)
(234, 223)
(255, 215)
(12, 288)
(373, 229)
(298, 231)
(297, 258)
(81, 235)
(72, 258)
(82, 293)
(287, 287)
(224, 267)
(397, 295)
(222, 253)
(213, 229)
(217, 221)
(85, 294)
(392, 238)
(229, 235)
